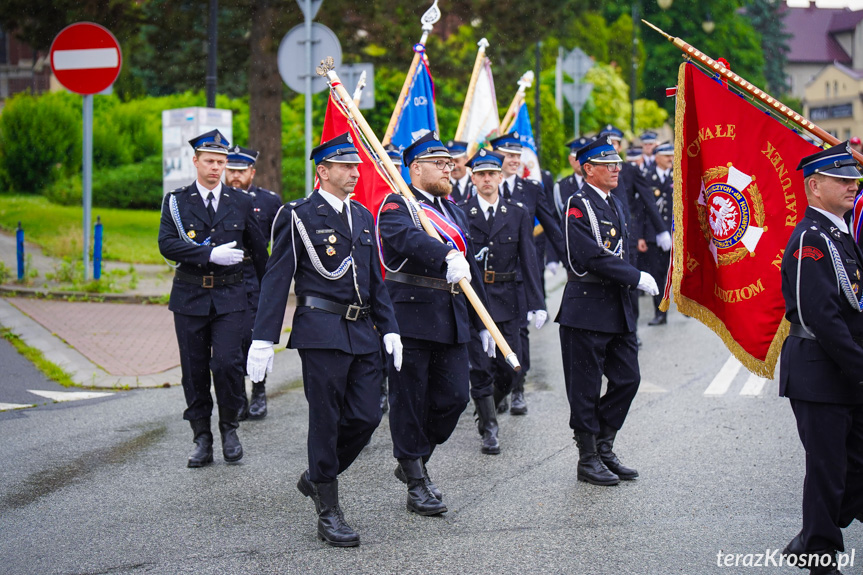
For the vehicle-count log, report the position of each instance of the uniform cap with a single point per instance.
(213, 141)
(648, 137)
(509, 143)
(633, 152)
(339, 150)
(456, 149)
(836, 161)
(577, 144)
(427, 146)
(485, 161)
(599, 151)
(664, 149)
(394, 154)
(240, 158)
(611, 132)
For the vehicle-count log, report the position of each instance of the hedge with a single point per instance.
(133, 186)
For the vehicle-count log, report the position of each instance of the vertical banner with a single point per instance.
(529, 159)
(418, 115)
(739, 199)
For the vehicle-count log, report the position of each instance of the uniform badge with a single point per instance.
(473, 211)
(607, 244)
(503, 209)
(812, 252)
(331, 251)
(656, 192)
(332, 240)
(855, 287)
(613, 232)
(836, 233)
(574, 212)
(191, 234)
(857, 274)
(390, 206)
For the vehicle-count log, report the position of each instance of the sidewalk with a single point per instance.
(118, 343)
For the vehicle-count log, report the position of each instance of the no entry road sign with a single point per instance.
(85, 58)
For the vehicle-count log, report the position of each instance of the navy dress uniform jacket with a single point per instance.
(660, 196)
(830, 368)
(332, 242)
(265, 204)
(604, 305)
(511, 250)
(234, 221)
(532, 195)
(425, 313)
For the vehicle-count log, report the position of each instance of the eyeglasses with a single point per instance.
(441, 165)
(615, 167)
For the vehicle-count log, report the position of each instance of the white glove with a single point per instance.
(552, 267)
(457, 268)
(393, 345)
(487, 342)
(226, 254)
(260, 361)
(648, 284)
(663, 240)
(541, 316)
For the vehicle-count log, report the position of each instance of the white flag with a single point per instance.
(483, 120)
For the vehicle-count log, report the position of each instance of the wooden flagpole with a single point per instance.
(358, 92)
(326, 69)
(431, 16)
(766, 99)
(474, 76)
(524, 83)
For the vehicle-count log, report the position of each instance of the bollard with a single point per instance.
(19, 240)
(97, 249)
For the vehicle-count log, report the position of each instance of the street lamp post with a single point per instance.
(212, 39)
(634, 75)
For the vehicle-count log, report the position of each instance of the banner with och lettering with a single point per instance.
(738, 200)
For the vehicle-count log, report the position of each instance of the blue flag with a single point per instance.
(529, 158)
(418, 113)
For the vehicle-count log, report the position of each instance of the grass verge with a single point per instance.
(51, 370)
(129, 235)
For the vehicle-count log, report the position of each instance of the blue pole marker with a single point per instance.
(19, 240)
(97, 249)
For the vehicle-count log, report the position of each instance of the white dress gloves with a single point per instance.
(487, 342)
(663, 240)
(393, 345)
(647, 284)
(260, 361)
(457, 268)
(539, 315)
(226, 254)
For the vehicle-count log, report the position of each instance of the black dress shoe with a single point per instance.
(661, 318)
(203, 453)
(231, 448)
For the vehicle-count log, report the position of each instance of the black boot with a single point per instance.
(203, 453)
(332, 527)
(258, 407)
(231, 448)
(590, 466)
(385, 405)
(661, 318)
(486, 424)
(307, 488)
(420, 499)
(518, 405)
(501, 400)
(604, 443)
(400, 475)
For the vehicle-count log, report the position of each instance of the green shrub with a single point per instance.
(40, 140)
(133, 186)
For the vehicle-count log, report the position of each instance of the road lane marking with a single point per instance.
(68, 395)
(10, 406)
(723, 379)
(754, 386)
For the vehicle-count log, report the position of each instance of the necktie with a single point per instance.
(211, 209)
(506, 193)
(439, 205)
(344, 216)
(455, 189)
(490, 218)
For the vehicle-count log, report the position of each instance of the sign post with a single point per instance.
(86, 59)
(576, 64)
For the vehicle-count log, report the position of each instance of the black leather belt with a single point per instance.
(492, 277)
(423, 281)
(208, 281)
(349, 312)
(587, 278)
(797, 330)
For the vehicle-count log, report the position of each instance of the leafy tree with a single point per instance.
(609, 101)
(768, 19)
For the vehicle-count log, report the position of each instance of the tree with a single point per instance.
(768, 19)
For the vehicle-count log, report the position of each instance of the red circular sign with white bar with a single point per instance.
(86, 58)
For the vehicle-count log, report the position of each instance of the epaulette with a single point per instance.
(180, 189)
(271, 192)
(579, 193)
(296, 203)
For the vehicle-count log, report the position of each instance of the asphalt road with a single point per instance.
(101, 486)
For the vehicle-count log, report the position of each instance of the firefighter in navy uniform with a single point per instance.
(240, 173)
(325, 244)
(502, 234)
(821, 365)
(532, 195)
(648, 150)
(431, 391)
(656, 258)
(205, 228)
(597, 320)
(462, 185)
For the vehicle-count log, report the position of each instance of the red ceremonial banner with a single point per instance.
(738, 196)
(372, 187)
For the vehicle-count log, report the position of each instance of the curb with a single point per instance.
(22, 291)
